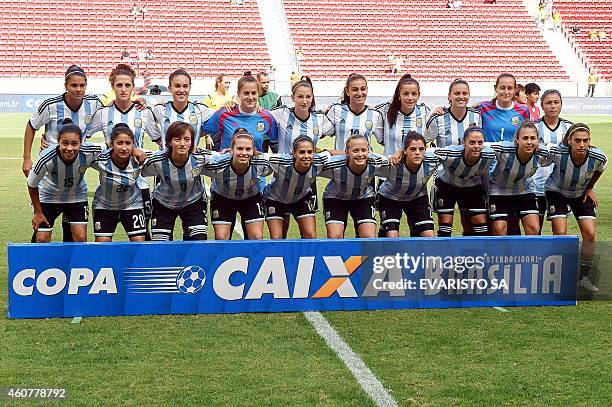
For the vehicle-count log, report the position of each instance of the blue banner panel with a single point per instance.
(92, 279)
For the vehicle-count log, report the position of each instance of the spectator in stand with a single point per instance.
(532, 91)
(125, 55)
(295, 77)
(591, 81)
(520, 96)
(576, 30)
(155, 90)
(221, 95)
(556, 18)
(267, 99)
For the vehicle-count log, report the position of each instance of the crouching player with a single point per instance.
(57, 185)
(461, 181)
(405, 189)
(577, 167)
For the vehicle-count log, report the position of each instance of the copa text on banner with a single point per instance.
(90, 279)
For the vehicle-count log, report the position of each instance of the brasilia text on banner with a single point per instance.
(90, 279)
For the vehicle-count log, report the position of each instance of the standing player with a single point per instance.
(461, 181)
(179, 191)
(511, 187)
(221, 95)
(577, 167)
(532, 90)
(57, 185)
(180, 109)
(267, 99)
(551, 129)
(75, 105)
(405, 189)
(118, 198)
(353, 116)
(289, 192)
(403, 114)
(235, 188)
(123, 110)
(261, 125)
(350, 188)
(446, 128)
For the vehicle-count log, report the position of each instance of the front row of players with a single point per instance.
(462, 177)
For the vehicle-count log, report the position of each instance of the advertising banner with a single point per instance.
(93, 279)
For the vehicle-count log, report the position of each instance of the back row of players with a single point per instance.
(527, 177)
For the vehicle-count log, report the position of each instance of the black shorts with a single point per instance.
(445, 196)
(77, 213)
(337, 210)
(503, 206)
(542, 205)
(559, 206)
(105, 222)
(148, 206)
(418, 213)
(193, 218)
(223, 210)
(303, 208)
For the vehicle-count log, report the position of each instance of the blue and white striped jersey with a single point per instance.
(401, 184)
(288, 185)
(177, 186)
(227, 183)
(291, 127)
(139, 121)
(447, 130)
(454, 171)
(512, 177)
(346, 123)
(570, 179)
(118, 189)
(393, 135)
(548, 136)
(195, 114)
(344, 183)
(54, 110)
(58, 182)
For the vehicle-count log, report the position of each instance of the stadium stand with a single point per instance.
(40, 39)
(475, 42)
(589, 15)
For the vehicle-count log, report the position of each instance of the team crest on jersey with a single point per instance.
(153, 222)
(253, 181)
(315, 130)
(260, 126)
(383, 214)
(440, 202)
(82, 170)
(492, 208)
(193, 119)
(551, 209)
(478, 173)
(515, 121)
(419, 122)
(271, 210)
(534, 170)
(369, 124)
(97, 226)
(588, 174)
(194, 172)
(327, 215)
(138, 123)
(87, 119)
(215, 214)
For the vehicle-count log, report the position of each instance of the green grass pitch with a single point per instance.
(529, 356)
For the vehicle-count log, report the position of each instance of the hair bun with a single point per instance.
(67, 121)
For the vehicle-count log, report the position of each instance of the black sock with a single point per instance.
(445, 229)
(481, 229)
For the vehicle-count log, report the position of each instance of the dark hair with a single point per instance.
(121, 69)
(74, 70)
(178, 72)
(505, 75)
(395, 104)
(301, 139)
(262, 74)
(305, 81)
(68, 126)
(471, 130)
(352, 77)
(242, 133)
(519, 88)
(526, 125)
(176, 130)
(246, 79)
(218, 80)
(121, 128)
(550, 92)
(532, 88)
(457, 81)
(356, 136)
(412, 136)
(573, 129)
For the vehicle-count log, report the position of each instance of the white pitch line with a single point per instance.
(10, 158)
(367, 380)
